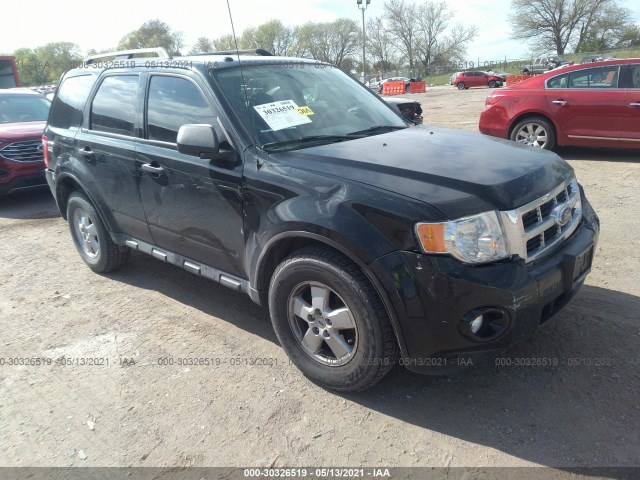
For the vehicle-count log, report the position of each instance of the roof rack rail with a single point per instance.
(256, 51)
(128, 54)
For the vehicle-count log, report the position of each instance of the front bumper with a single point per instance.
(432, 295)
(15, 175)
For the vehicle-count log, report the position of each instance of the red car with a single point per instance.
(594, 105)
(23, 115)
(465, 80)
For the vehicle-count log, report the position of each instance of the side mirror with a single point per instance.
(200, 140)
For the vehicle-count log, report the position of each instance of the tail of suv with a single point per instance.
(370, 240)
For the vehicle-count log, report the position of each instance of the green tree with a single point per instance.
(379, 45)
(202, 45)
(334, 42)
(153, 33)
(272, 36)
(47, 63)
(433, 44)
(630, 37)
(224, 43)
(402, 25)
(553, 24)
(605, 30)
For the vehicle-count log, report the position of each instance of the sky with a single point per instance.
(100, 25)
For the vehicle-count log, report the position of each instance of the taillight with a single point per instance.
(492, 100)
(45, 150)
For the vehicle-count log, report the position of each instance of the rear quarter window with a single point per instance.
(66, 111)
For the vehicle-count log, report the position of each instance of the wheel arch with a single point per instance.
(66, 184)
(532, 114)
(285, 244)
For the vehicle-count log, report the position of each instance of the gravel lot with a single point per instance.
(251, 408)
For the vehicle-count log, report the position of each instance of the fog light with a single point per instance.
(476, 324)
(484, 324)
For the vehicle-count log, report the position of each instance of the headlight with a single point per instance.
(476, 239)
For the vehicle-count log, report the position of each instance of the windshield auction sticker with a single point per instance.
(282, 114)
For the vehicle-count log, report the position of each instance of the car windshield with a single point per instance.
(23, 108)
(298, 105)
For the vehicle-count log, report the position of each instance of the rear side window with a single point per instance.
(68, 105)
(174, 102)
(558, 82)
(113, 107)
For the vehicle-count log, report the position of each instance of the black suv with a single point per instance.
(371, 241)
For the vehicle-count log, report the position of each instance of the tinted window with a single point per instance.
(174, 102)
(68, 105)
(635, 76)
(113, 107)
(558, 82)
(602, 77)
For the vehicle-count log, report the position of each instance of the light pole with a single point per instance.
(362, 5)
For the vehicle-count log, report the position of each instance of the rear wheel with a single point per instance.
(492, 84)
(330, 320)
(461, 86)
(91, 238)
(534, 132)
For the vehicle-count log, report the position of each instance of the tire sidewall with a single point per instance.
(363, 366)
(551, 134)
(78, 201)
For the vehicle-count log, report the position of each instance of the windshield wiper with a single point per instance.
(377, 129)
(319, 139)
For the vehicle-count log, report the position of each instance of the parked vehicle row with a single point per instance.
(593, 104)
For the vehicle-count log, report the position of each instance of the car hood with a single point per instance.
(10, 132)
(459, 173)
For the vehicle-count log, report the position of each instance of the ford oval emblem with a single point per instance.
(564, 216)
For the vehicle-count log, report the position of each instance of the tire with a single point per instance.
(492, 84)
(461, 86)
(525, 72)
(325, 288)
(90, 237)
(534, 132)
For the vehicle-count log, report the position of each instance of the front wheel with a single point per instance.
(91, 238)
(461, 86)
(534, 132)
(492, 84)
(330, 321)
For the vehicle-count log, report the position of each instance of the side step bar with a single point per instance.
(190, 265)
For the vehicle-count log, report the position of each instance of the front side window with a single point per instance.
(113, 107)
(299, 105)
(599, 77)
(174, 102)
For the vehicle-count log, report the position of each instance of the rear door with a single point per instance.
(193, 205)
(587, 105)
(630, 131)
(105, 152)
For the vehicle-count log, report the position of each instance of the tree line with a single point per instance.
(420, 36)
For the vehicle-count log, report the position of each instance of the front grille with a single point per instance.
(537, 228)
(28, 151)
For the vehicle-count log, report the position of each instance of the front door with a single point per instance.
(590, 109)
(193, 205)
